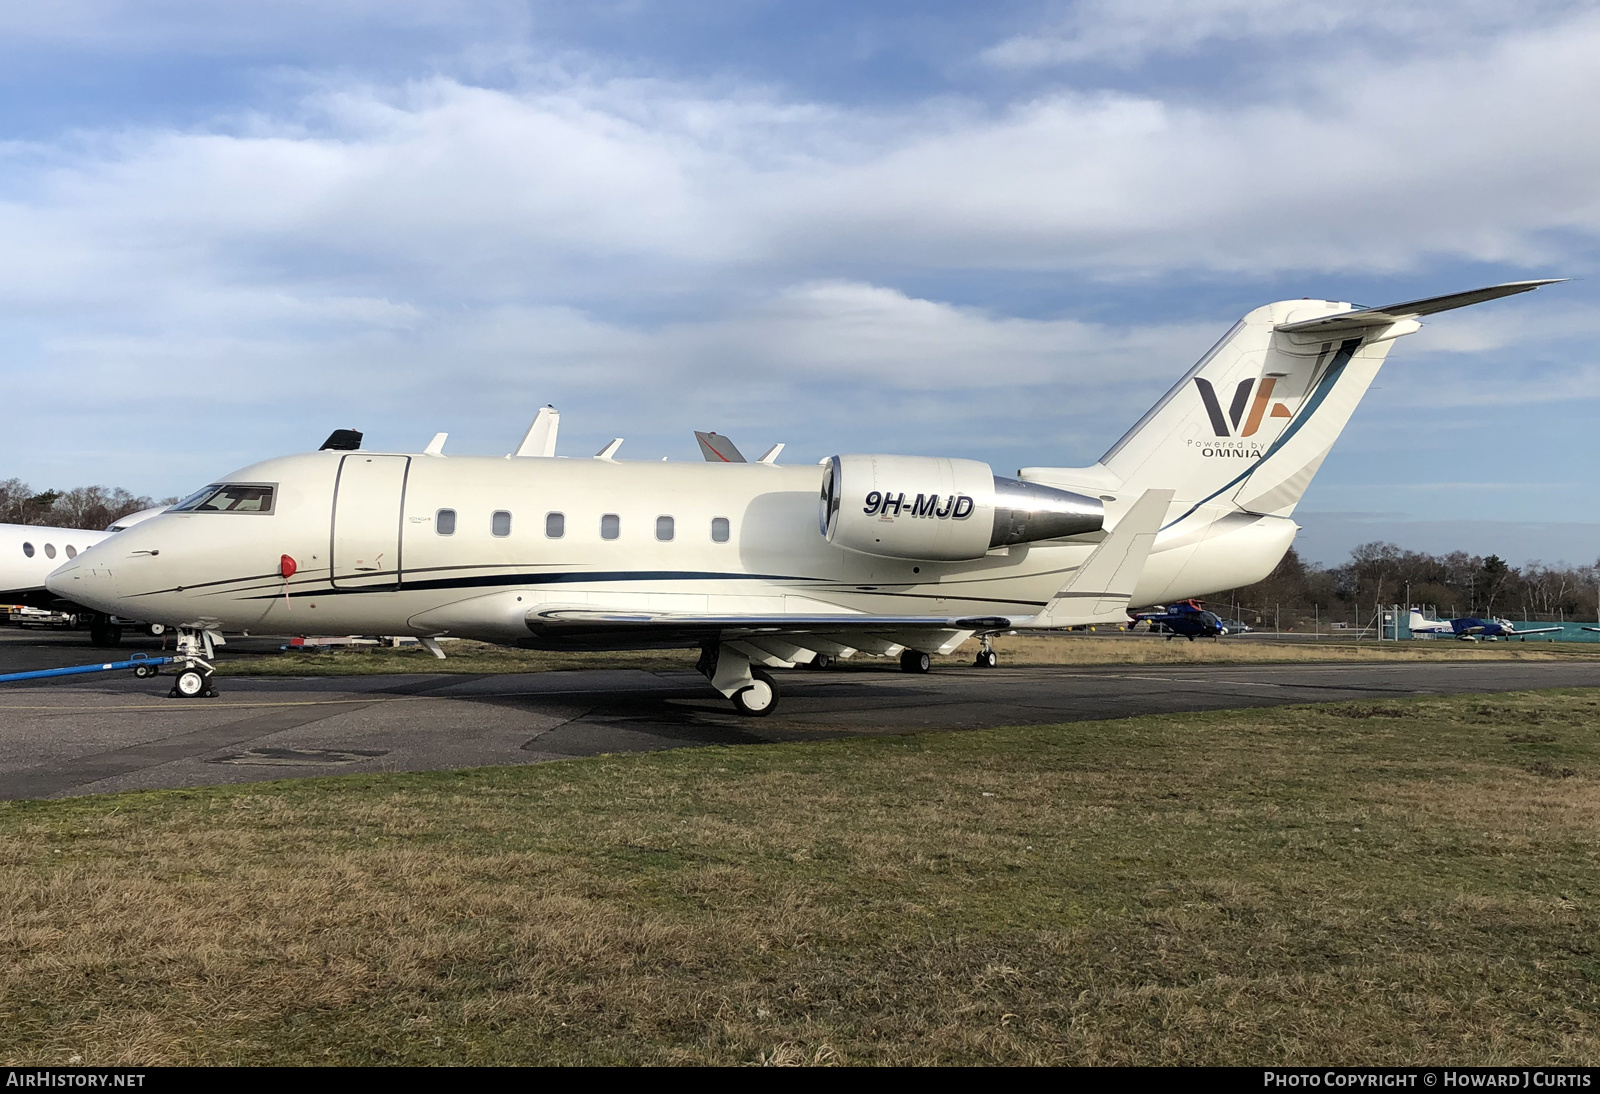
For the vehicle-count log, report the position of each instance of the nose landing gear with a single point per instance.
(195, 651)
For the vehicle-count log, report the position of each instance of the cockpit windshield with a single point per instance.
(230, 497)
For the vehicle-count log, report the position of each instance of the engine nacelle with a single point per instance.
(942, 510)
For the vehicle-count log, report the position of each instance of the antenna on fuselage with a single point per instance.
(436, 446)
(540, 440)
(771, 455)
(609, 452)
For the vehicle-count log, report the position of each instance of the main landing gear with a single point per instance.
(987, 658)
(103, 632)
(915, 661)
(753, 691)
(193, 680)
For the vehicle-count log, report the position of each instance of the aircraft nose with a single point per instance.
(83, 582)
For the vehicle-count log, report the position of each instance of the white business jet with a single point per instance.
(762, 565)
(29, 552)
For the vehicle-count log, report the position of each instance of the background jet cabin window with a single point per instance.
(665, 527)
(555, 525)
(500, 523)
(444, 522)
(72, 552)
(27, 549)
(49, 550)
(610, 526)
(719, 529)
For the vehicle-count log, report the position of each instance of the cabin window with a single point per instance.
(444, 522)
(500, 523)
(664, 528)
(27, 549)
(610, 526)
(72, 552)
(228, 498)
(49, 550)
(555, 525)
(719, 529)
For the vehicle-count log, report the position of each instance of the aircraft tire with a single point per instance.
(190, 684)
(915, 661)
(822, 662)
(760, 698)
(987, 659)
(102, 633)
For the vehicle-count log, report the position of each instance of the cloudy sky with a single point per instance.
(997, 231)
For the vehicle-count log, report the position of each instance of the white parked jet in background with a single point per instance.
(763, 565)
(29, 552)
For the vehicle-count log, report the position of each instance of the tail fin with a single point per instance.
(1249, 425)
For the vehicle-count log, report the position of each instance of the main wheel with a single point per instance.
(915, 661)
(760, 698)
(190, 684)
(987, 659)
(822, 662)
(158, 629)
(105, 634)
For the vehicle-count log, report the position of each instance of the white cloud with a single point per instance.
(1126, 33)
(678, 255)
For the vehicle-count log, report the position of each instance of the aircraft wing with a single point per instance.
(776, 640)
(1540, 630)
(1097, 592)
(1592, 628)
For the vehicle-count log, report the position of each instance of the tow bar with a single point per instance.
(141, 664)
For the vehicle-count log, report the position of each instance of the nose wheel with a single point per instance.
(193, 684)
(193, 681)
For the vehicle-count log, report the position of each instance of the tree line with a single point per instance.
(1455, 584)
(92, 507)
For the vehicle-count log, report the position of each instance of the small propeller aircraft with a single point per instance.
(1185, 619)
(1471, 629)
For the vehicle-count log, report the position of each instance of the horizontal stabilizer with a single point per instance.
(1354, 322)
(718, 449)
(1100, 589)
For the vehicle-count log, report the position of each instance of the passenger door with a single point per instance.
(367, 504)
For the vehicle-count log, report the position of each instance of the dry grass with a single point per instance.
(1066, 649)
(1376, 883)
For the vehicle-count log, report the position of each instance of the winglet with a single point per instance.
(718, 449)
(540, 439)
(1100, 589)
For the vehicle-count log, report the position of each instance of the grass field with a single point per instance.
(1072, 649)
(1409, 881)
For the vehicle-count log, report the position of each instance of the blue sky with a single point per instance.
(994, 231)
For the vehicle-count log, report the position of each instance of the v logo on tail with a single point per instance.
(1224, 426)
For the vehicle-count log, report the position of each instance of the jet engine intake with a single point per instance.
(942, 510)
